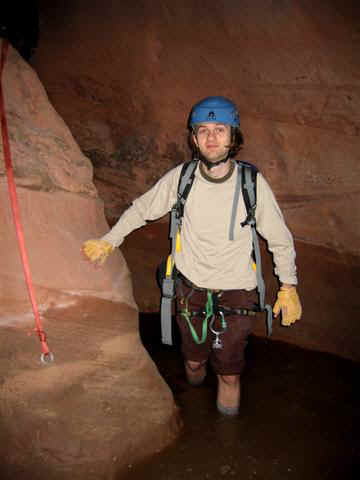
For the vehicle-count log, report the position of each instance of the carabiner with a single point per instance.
(46, 358)
(223, 324)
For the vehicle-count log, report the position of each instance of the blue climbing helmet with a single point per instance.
(215, 110)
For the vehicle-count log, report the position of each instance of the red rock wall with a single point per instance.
(58, 204)
(102, 388)
(125, 75)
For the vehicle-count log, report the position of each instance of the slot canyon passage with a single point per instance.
(95, 117)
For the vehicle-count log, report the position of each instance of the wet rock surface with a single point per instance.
(98, 406)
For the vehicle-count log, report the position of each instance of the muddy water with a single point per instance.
(299, 417)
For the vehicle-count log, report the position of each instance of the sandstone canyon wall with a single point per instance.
(60, 207)
(124, 76)
(102, 388)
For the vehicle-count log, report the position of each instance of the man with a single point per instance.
(212, 268)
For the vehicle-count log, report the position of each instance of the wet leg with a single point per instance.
(195, 371)
(228, 396)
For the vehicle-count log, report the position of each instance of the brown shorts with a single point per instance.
(228, 360)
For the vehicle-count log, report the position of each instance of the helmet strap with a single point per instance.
(209, 165)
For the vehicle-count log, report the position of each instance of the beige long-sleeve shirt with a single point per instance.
(207, 257)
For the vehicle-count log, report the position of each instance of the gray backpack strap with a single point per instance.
(177, 211)
(250, 188)
(186, 178)
(246, 180)
(168, 284)
(168, 292)
(260, 281)
(235, 203)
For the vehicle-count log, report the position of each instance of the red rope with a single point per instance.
(15, 206)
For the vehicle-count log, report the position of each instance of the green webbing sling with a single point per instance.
(209, 309)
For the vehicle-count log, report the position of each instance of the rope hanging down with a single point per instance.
(46, 356)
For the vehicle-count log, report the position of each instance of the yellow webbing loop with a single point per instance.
(169, 266)
(178, 242)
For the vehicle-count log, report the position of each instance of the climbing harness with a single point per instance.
(46, 356)
(245, 182)
(213, 310)
(217, 343)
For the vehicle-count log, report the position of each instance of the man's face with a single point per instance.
(213, 140)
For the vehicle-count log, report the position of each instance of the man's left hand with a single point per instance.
(288, 303)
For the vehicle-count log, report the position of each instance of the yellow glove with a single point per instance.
(97, 250)
(289, 303)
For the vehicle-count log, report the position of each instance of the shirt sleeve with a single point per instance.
(271, 225)
(152, 205)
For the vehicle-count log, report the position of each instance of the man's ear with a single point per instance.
(195, 139)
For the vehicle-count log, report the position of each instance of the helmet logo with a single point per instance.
(211, 116)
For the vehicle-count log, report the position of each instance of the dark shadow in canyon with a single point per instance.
(299, 417)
